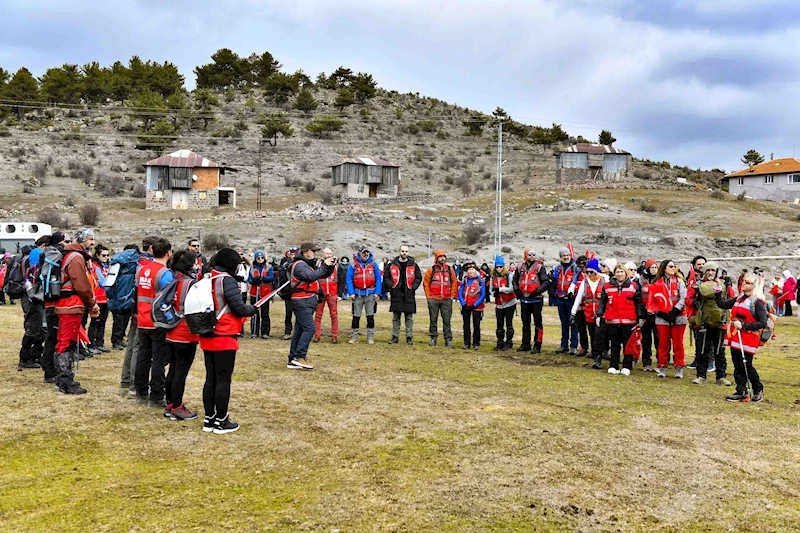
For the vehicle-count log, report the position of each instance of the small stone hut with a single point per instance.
(592, 162)
(186, 180)
(366, 177)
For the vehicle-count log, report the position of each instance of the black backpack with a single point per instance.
(15, 280)
(283, 276)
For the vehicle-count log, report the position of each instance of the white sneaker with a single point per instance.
(662, 371)
(625, 372)
(300, 364)
(613, 371)
(679, 373)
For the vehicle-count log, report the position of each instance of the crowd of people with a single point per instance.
(608, 310)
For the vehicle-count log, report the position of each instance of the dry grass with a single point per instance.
(404, 439)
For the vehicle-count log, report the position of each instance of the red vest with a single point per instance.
(500, 282)
(265, 287)
(181, 333)
(302, 289)
(363, 276)
(620, 308)
(228, 324)
(441, 283)
(148, 283)
(394, 272)
(750, 339)
(674, 289)
(529, 277)
(69, 298)
(330, 285)
(472, 291)
(565, 278)
(591, 298)
(99, 291)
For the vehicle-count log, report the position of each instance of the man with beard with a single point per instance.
(401, 280)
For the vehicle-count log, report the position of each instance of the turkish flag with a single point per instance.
(634, 345)
(571, 250)
(658, 300)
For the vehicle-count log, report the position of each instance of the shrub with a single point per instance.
(326, 197)
(642, 174)
(326, 175)
(40, 171)
(309, 186)
(304, 166)
(52, 217)
(4, 132)
(139, 191)
(473, 234)
(466, 188)
(58, 172)
(110, 187)
(427, 175)
(215, 241)
(27, 188)
(719, 195)
(506, 249)
(81, 171)
(428, 126)
(449, 162)
(647, 207)
(741, 197)
(307, 143)
(70, 201)
(413, 129)
(89, 215)
(449, 180)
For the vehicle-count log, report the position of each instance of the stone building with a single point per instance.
(777, 180)
(592, 162)
(186, 180)
(366, 177)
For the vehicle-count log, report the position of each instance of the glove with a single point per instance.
(641, 323)
(256, 281)
(572, 320)
(663, 316)
(469, 308)
(570, 295)
(673, 315)
(597, 321)
(518, 293)
(496, 292)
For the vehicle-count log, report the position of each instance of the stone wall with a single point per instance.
(405, 198)
(582, 175)
(164, 203)
(159, 204)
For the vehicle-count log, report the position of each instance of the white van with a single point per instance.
(15, 235)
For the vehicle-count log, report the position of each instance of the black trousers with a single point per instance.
(97, 327)
(787, 308)
(583, 330)
(505, 325)
(598, 337)
(710, 342)
(154, 356)
(260, 323)
(742, 370)
(119, 326)
(618, 335)
(287, 322)
(472, 327)
(35, 332)
(217, 388)
(48, 359)
(181, 358)
(649, 339)
(526, 312)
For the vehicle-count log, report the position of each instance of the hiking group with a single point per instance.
(168, 303)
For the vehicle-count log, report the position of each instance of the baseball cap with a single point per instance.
(306, 246)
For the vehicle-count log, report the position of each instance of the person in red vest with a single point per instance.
(649, 331)
(530, 283)
(565, 276)
(441, 288)
(219, 348)
(401, 281)
(587, 301)
(77, 295)
(260, 280)
(472, 297)
(304, 275)
(620, 310)
(505, 304)
(182, 342)
(154, 352)
(671, 324)
(364, 287)
(331, 288)
(748, 316)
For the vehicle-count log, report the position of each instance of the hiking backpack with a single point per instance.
(121, 293)
(163, 311)
(199, 308)
(15, 279)
(50, 273)
(765, 334)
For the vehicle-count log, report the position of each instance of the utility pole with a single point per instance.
(498, 209)
(430, 242)
(258, 199)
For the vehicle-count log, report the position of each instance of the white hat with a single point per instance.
(611, 263)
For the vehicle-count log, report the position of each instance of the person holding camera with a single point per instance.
(304, 276)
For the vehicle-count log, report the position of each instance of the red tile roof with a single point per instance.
(776, 166)
(181, 158)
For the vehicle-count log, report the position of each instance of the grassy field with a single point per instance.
(381, 438)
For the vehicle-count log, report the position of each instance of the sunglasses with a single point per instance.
(590, 271)
(194, 246)
(747, 283)
(670, 266)
(103, 255)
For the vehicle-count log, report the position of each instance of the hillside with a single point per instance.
(66, 156)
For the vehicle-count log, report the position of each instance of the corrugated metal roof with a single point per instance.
(586, 148)
(368, 160)
(777, 166)
(181, 158)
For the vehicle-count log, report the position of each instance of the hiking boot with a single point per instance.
(699, 381)
(53, 380)
(123, 392)
(158, 404)
(287, 337)
(662, 371)
(723, 382)
(316, 338)
(499, 347)
(524, 348)
(224, 425)
(394, 340)
(432, 342)
(692, 365)
(335, 340)
(573, 351)
(613, 371)
(625, 372)
(738, 397)
(409, 340)
(448, 344)
(758, 396)
(72, 388)
(208, 424)
(370, 339)
(562, 349)
(353, 337)
(300, 364)
(182, 413)
(168, 412)
(648, 368)
(536, 349)
(476, 347)
(597, 363)
(253, 335)
(467, 346)
(118, 346)
(582, 353)
(103, 349)
(141, 400)
(679, 373)
(265, 337)
(28, 364)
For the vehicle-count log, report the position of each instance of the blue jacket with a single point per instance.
(462, 287)
(378, 280)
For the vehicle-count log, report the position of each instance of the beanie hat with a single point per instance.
(630, 265)
(84, 233)
(470, 264)
(439, 253)
(593, 264)
(563, 251)
(228, 259)
(711, 265)
(184, 261)
(259, 253)
(57, 237)
(650, 262)
(499, 261)
(611, 263)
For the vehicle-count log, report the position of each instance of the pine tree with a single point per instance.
(276, 125)
(147, 105)
(364, 87)
(606, 138)
(344, 98)
(205, 102)
(96, 82)
(475, 124)
(22, 87)
(325, 124)
(62, 84)
(752, 158)
(280, 87)
(305, 102)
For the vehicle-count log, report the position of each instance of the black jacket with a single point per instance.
(403, 300)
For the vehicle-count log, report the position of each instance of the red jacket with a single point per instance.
(181, 333)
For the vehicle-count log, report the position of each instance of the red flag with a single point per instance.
(269, 296)
(634, 345)
(571, 250)
(658, 300)
(589, 254)
(83, 337)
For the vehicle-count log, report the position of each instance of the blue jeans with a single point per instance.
(303, 309)
(564, 309)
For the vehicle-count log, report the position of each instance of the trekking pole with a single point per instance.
(749, 387)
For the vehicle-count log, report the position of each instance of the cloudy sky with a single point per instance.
(694, 82)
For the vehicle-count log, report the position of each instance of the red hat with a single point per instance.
(650, 262)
